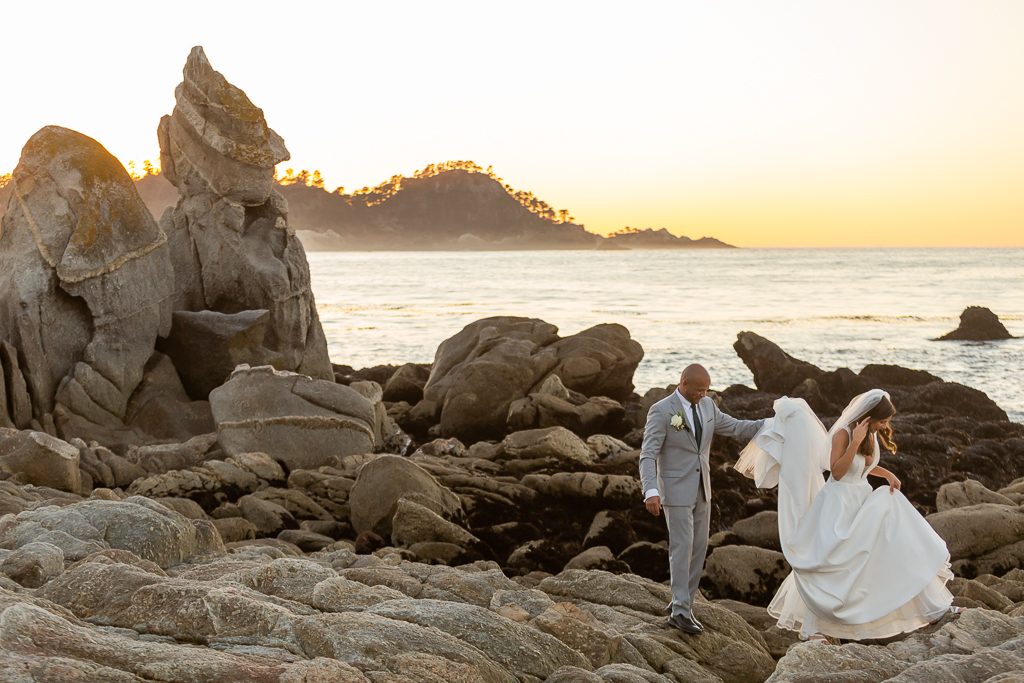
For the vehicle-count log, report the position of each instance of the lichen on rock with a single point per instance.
(230, 241)
(85, 282)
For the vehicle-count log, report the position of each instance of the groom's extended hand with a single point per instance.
(654, 505)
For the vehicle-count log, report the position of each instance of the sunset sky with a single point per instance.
(759, 123)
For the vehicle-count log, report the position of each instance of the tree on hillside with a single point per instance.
(382, 192)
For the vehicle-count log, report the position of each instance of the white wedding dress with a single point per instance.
(865, 563)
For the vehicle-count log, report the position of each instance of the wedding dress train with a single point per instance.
(865, 563)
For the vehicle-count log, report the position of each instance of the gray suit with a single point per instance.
(674, 463)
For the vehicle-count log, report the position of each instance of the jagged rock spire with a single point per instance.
(216, 141)
(231, 245)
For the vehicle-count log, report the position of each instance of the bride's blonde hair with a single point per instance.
(880, 411)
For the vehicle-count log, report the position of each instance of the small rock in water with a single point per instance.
(977, 323)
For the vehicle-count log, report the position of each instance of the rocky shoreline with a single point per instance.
(190, 491)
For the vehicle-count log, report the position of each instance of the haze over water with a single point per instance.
(830, 307)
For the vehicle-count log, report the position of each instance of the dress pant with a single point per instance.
(688, 527)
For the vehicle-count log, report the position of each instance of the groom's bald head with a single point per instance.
(694, 372)
(694, 382)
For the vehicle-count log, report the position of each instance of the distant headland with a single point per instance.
(455, 205)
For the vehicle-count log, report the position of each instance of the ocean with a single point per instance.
(830, 307)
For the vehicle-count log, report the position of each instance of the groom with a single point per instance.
(675, 475)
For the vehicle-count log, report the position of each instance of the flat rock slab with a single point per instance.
(302, 422)
(515, 647)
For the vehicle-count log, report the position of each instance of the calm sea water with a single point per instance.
(831, 307)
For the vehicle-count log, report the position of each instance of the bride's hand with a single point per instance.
(894, 483)
(860, 431)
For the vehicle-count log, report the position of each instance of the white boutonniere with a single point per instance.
(679, 421)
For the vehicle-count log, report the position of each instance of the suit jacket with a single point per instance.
(672, 461)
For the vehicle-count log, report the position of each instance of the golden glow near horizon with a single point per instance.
(866, 123)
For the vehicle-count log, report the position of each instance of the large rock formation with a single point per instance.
(229, 237)
(482, 370)
(85, 283)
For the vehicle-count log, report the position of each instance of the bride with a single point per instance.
(865, 563)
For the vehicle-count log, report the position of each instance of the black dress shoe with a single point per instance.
(668, 611)
(685, 625)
